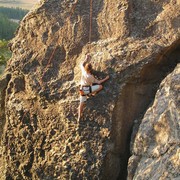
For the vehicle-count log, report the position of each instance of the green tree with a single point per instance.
(13, 13)
(5, 53)
(7, 28)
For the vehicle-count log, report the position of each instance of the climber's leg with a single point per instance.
(80, 110)
(81, 106)
(96, 89)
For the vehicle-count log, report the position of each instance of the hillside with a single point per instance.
(129, 130)
(9, 19)
(25, 4)
(5, 55)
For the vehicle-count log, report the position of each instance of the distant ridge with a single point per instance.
(9, 1)
(25, 4)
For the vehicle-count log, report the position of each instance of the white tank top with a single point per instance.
(87, 79)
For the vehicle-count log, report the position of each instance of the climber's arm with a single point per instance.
(83, 63)
(101, 81)
(88, 57)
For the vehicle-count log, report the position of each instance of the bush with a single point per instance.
(5, 54)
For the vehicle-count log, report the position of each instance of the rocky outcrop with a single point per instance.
(156, 144)
(135, 42)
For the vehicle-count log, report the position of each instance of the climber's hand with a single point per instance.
(88, 57)
(107, 77)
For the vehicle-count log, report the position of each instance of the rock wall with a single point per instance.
(156, 144)
(135, 42)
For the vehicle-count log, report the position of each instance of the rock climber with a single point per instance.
(89, 85)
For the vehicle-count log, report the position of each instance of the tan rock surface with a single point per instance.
(135, 42)
(156, 148)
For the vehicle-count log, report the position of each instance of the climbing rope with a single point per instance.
(90, 20)
(90, 16)
(50, 59)
(90, 25)
(73, 8)
(53, 52)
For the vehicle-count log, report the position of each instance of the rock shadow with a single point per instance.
(133, 101)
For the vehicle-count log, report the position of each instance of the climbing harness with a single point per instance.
(85, 90)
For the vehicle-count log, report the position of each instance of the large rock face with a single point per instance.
(156, 145)
(136, 43)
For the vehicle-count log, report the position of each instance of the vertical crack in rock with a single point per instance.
(133, 101)
(3, 85)
(3, 82)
